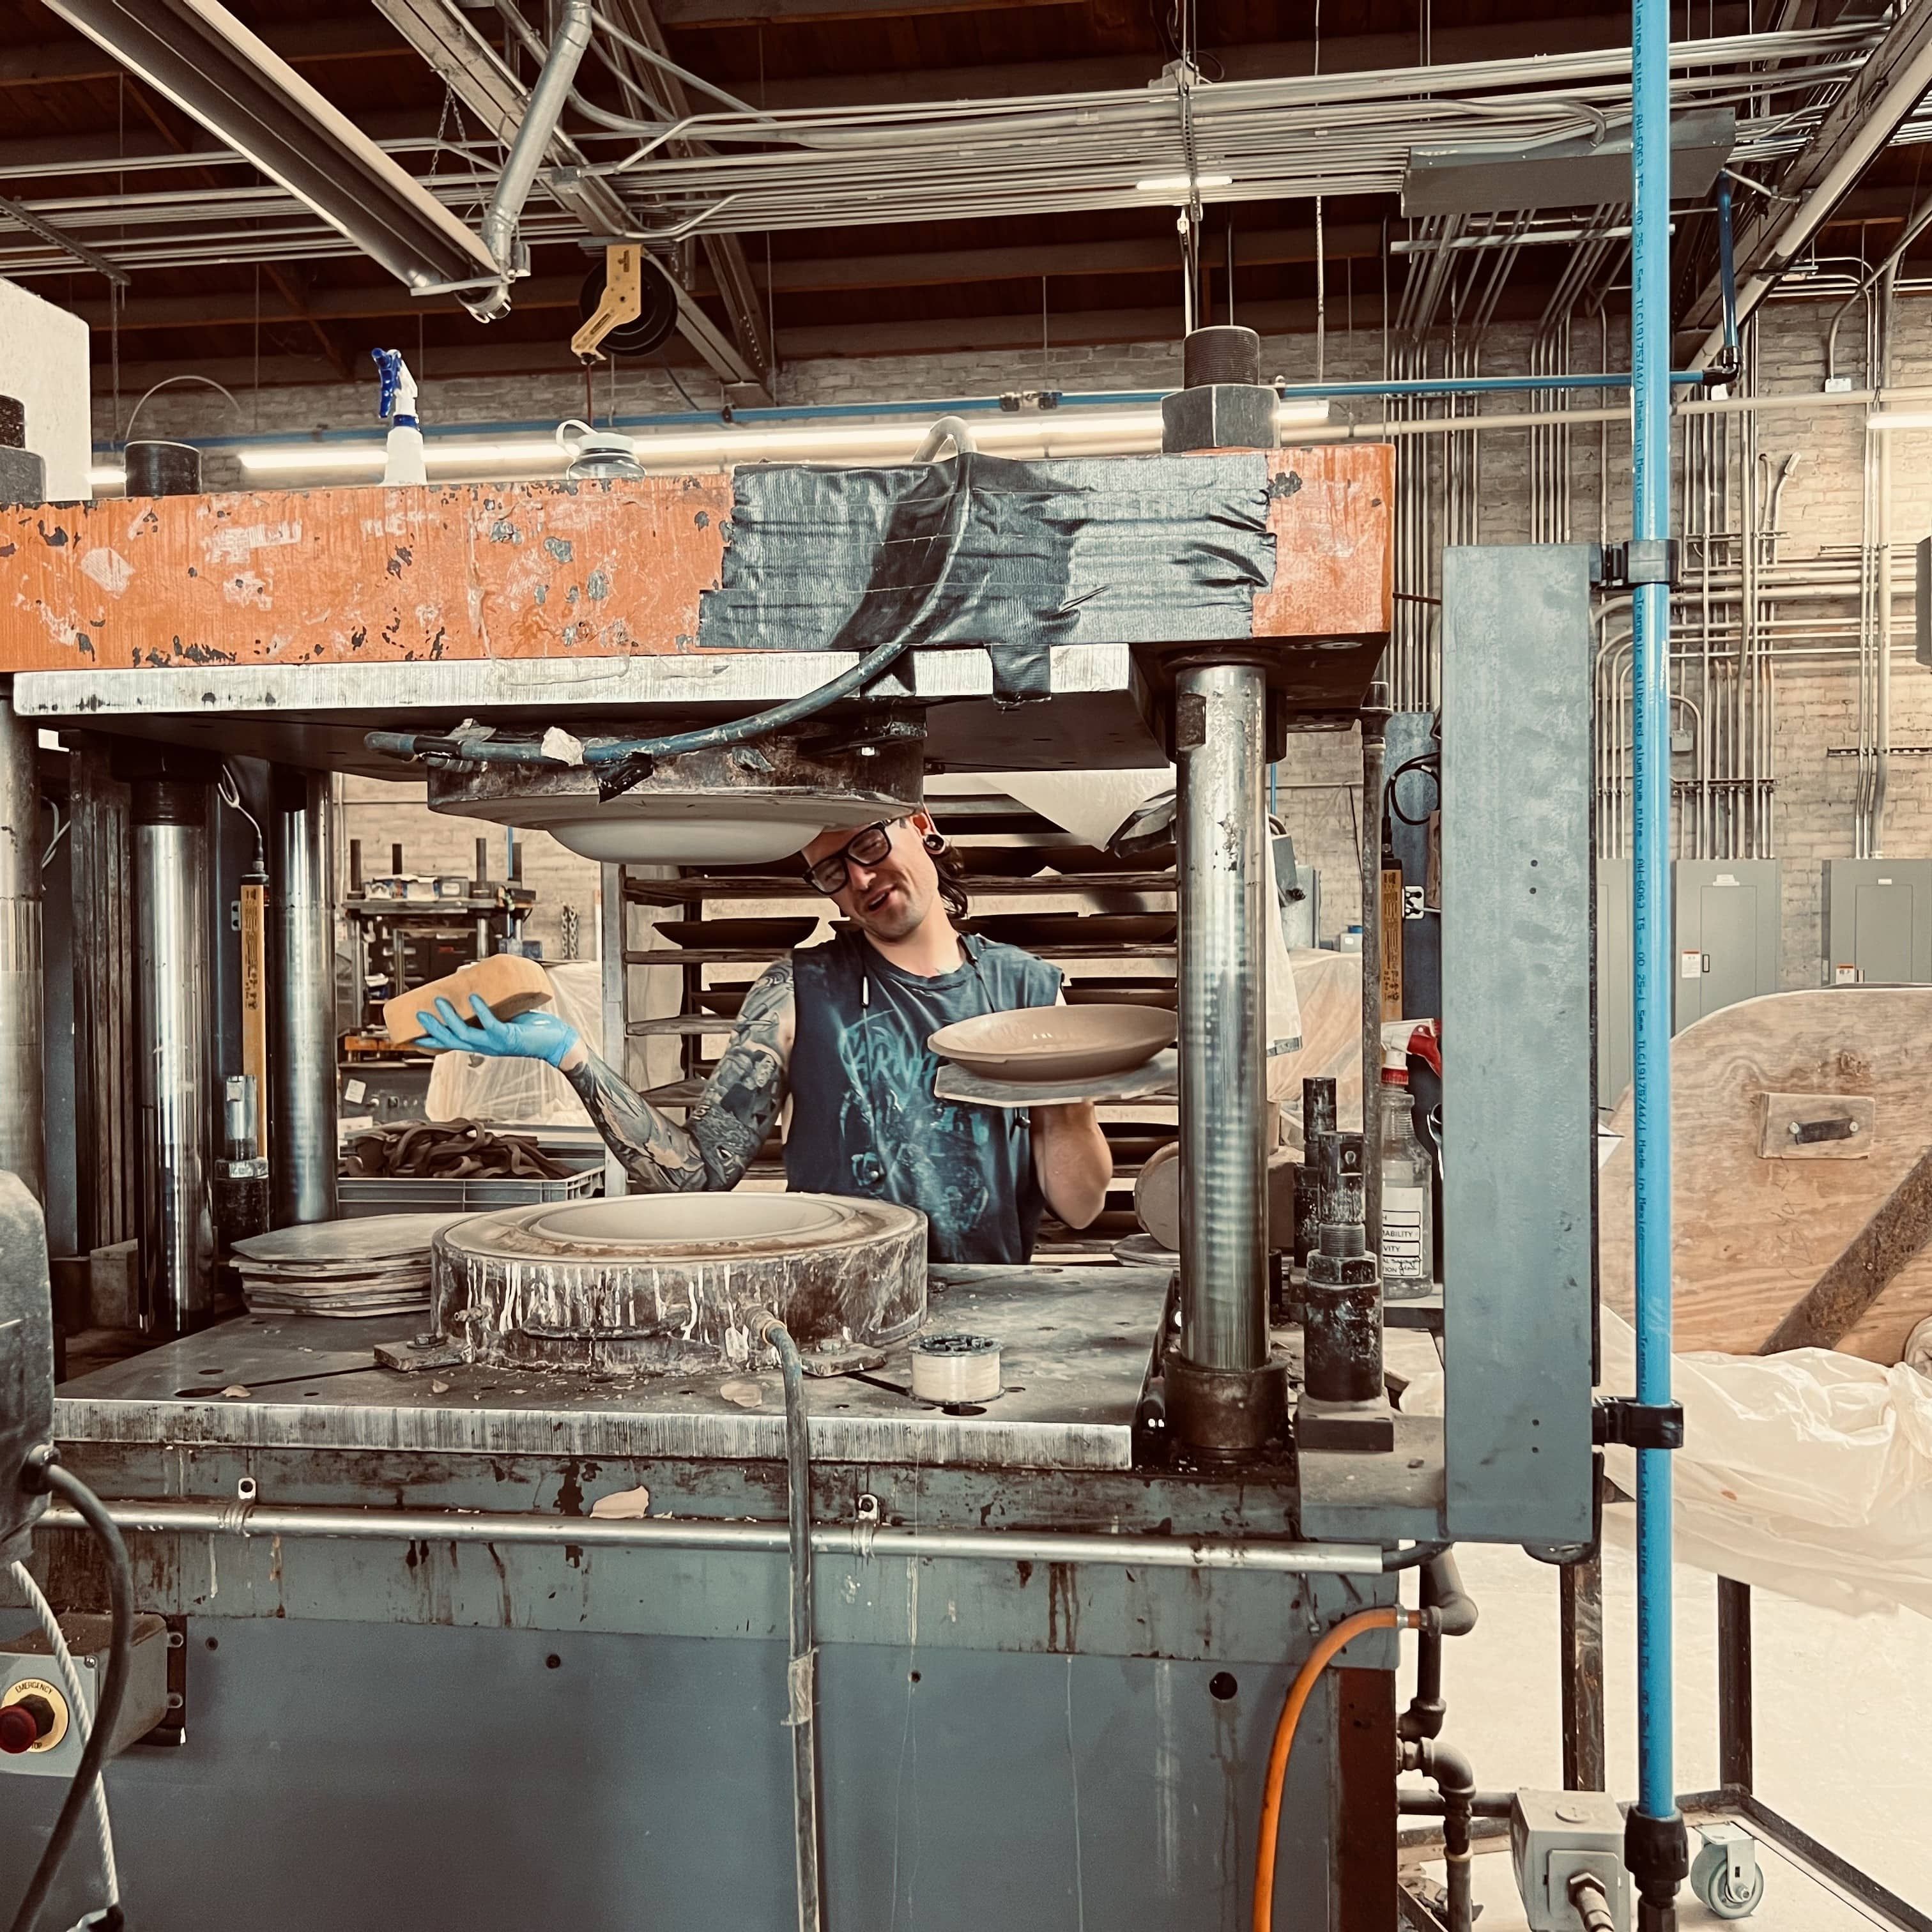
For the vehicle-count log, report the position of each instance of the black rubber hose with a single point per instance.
(801, 1687)
(614, 751)
(113, 1689)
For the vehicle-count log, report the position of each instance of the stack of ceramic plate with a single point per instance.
(377, 1264)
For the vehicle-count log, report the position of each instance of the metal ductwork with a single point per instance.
(212, 68)
(572, 41)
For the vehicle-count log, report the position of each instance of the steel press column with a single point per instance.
(22, 988)
(1224, 1396)
(176, 1046)
(301, 960)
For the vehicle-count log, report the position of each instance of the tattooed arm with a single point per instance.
(731, 1117)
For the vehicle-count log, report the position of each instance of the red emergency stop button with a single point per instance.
(23, 1725)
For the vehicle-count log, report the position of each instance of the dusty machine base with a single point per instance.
(599, 1730)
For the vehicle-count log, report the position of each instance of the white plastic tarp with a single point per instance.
(1809, 1473)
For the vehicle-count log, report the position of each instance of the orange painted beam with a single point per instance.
(444, 570)
(528, 570)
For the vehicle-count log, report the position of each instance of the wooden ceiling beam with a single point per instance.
(302, 43)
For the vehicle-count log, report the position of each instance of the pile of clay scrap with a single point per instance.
(376, 1265)
(448, 1151)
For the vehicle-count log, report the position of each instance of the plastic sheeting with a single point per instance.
(523, 1092)
(1809, 1473)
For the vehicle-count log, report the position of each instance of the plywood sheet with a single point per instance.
(1329, 509)
(1753, 1234)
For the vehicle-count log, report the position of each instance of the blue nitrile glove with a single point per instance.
(538, 1035)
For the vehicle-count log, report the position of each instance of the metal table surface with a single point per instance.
(1074, 1342)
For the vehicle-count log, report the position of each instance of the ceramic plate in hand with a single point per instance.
(1035, 1043)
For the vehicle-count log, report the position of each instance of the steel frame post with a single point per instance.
(1580, 1587)
(1736, 1753)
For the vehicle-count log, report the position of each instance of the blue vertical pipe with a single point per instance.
(1650, 313)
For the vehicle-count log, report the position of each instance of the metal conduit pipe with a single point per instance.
(802, 1666)
(1442, 1592)
(177, 1052)
(1455, 1779)
(1412, 1804)
(498, 230)
(1223, 1396)
(169, 1516)
(23, 989)
(301, 961)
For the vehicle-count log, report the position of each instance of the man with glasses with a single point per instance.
(840, 1030)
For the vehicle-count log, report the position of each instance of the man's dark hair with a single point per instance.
(952, 871)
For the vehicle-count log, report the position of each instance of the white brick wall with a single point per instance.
(1821, 507)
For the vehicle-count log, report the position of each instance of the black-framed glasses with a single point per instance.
(866, 847)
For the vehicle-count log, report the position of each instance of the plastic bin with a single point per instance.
(410, 1194)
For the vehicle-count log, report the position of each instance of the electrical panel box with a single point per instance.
(1558, 1838)
(1725, 947)
(1877, 921)
(29, 1676)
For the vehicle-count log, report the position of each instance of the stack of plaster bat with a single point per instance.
(378, 1264)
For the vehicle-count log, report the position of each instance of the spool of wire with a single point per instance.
(949, 1369)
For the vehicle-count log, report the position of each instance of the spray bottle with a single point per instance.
(398, 406)
(1408, 1215)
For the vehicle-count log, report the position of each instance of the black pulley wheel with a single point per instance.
(655, 320)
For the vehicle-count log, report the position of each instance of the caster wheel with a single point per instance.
(1729, 1894)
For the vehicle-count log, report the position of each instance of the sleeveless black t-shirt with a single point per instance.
(864, 1118)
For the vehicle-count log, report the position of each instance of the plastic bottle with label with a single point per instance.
(1408, 1178)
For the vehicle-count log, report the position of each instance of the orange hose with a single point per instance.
(1299, 1692)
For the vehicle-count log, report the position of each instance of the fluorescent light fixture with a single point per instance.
(103, 478)
(1892, 419)
(1181, 184)
(366, 459)
(1046, 433)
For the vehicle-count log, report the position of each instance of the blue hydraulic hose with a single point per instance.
(1650, 302)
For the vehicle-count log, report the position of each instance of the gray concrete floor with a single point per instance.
(1844, 1726)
